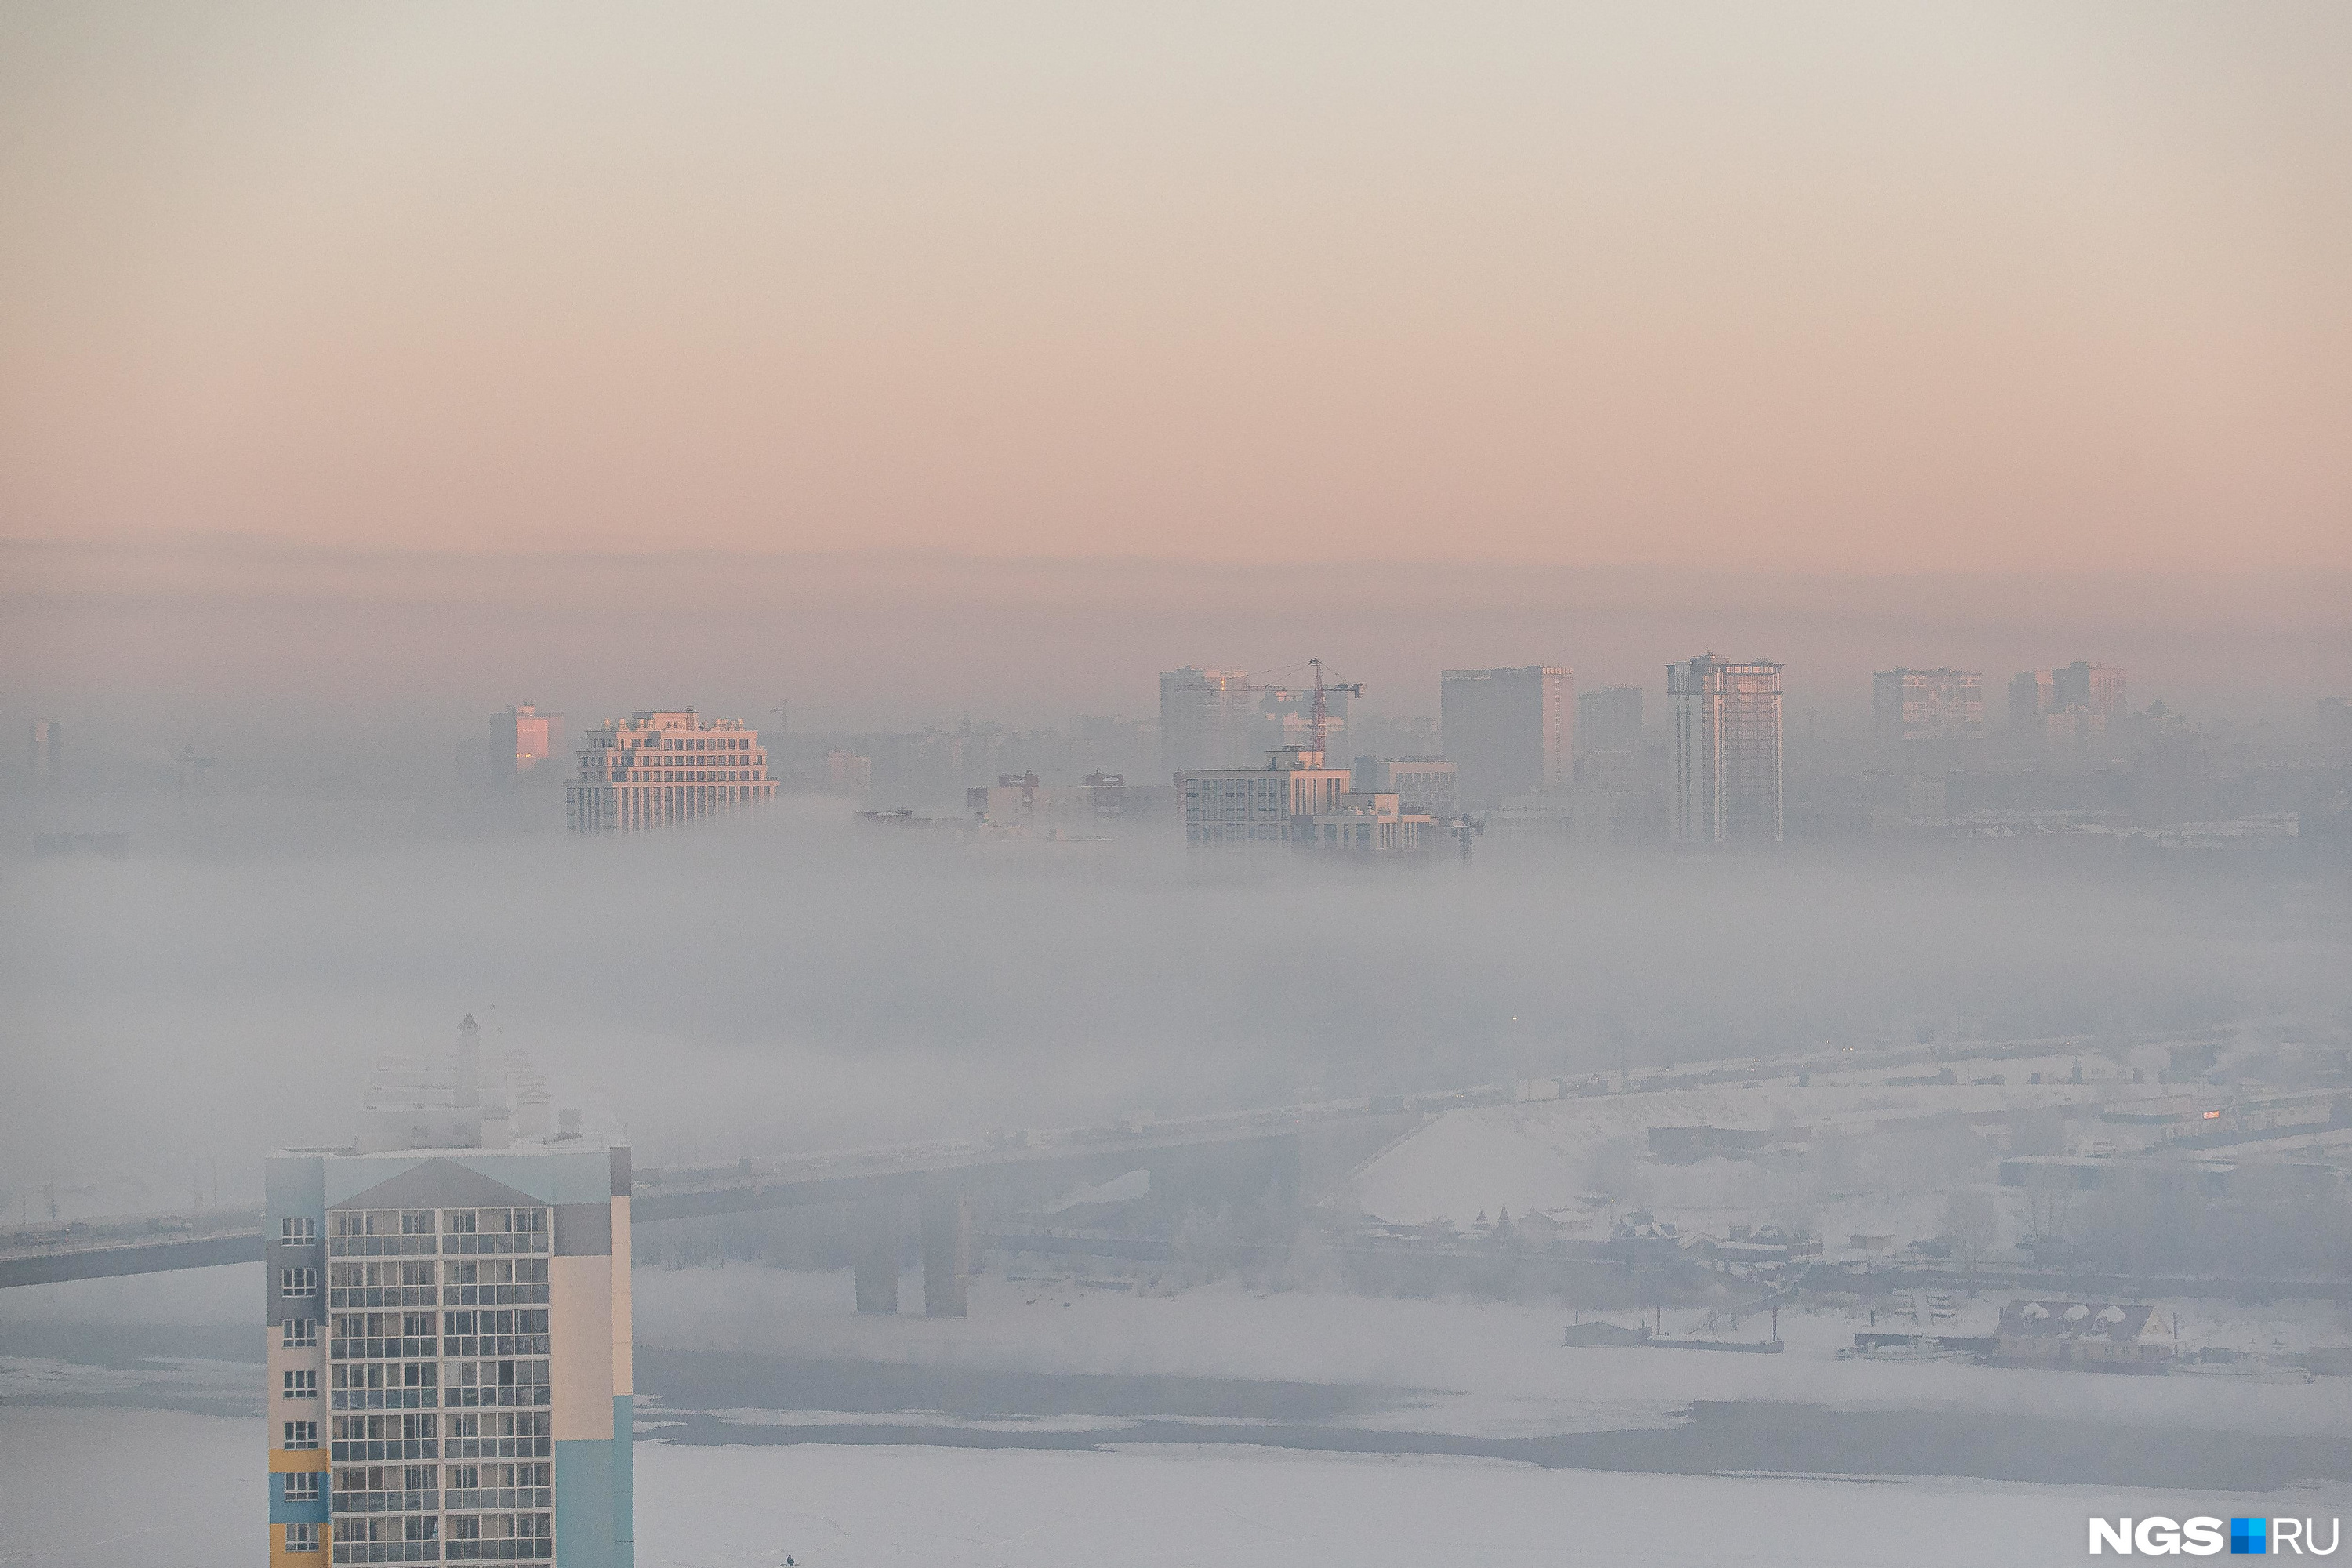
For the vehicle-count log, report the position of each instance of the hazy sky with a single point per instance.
(1915, 288)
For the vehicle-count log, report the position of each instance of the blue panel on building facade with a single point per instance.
(625, 1481)
(584, 1503)
(310, 1510)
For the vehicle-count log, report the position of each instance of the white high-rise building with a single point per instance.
(1726, 751)
(660, 767)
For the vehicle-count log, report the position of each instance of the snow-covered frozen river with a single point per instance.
(1215, 1425)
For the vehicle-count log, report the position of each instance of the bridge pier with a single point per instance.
(878, 1256)
(947, 1254)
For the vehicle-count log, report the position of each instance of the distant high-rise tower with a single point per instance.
(1206, 719)
(524, 738)
(521, 742)
(1506, 730)
(1726, 751)
(46, 755)
(1926, 705)
(2094, 687)
(2029, 698)
(1609, 719)
(656, 768)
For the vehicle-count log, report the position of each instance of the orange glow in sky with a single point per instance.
(1822, 288)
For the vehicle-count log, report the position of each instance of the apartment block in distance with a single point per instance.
(1295, 800)
(1205, 720)
(1726, 751)
(2069, 705)
(1507, 730)
(659, 768)
(448, 1342)
(1926, 705)
(1422, 786)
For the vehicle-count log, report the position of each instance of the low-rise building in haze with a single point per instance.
(1296, 800)
(660, 767)
(1424, 785)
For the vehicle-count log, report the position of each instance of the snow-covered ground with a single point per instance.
(1478, 1369)
(195, 1484)
(1542, 1155)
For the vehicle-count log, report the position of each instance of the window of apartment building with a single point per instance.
(377, 1374)
(297, 1332)
(499, 1486)
(405, 1284)
(387, 1489)
(302, 1486)
(297, 1282)
(302, 1537)
(379, 1233)
(301, 1435)
(495, 1333)
(375, 1539)
(493, 1536)
(478, 1383)
(406, 1437)
(500, 1435)
(298, 1232)
(360, 1336)
(301, 1383)
(499, 1230)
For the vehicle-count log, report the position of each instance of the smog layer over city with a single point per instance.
(1051, 787)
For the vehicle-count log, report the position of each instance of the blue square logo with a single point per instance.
(2249, 1537)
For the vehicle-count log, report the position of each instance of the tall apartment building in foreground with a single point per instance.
(448, 1343)
(1726, 751)
(658, 768)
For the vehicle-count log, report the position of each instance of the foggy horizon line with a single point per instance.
(296, 549)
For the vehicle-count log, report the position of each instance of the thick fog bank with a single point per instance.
(807, 982)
